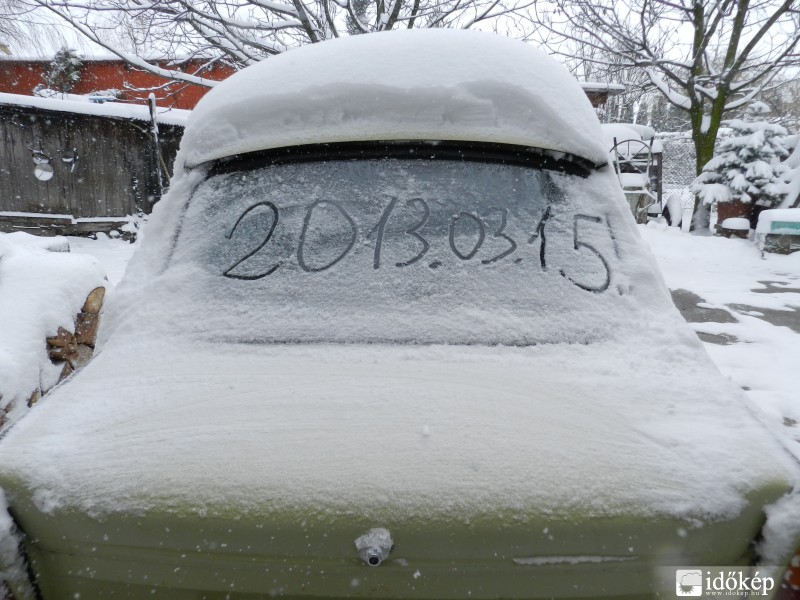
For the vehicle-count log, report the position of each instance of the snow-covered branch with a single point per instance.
(246, 31)
(704, 57)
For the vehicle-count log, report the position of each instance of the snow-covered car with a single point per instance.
(392, 333)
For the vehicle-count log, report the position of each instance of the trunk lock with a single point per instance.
(374, 546)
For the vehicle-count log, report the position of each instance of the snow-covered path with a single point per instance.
(757, 342)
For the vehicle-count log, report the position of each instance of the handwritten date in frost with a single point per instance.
(466, 235)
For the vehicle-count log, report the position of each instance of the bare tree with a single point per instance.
(22, 29)
(242, 32)
(10, 29)
(706, 57)
(784, 100)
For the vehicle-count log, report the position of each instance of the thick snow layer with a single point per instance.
(502, 295)
(646, 132)
(430, 84)
(112, 254)
(432, 430)
(635, 181)
(40, 291)
(781, 531)
(140, 112)
(715, 192)
(614, 422)
(736, 223)
(601, 86)
(731, 271)
(730, 274)
(618, 132)
(177, 418)
(34, 242)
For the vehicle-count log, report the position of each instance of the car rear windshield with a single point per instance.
(400, 251)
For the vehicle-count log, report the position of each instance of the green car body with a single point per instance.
(294, 556)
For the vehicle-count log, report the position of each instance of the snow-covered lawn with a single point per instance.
(112, 254)
(762, 295)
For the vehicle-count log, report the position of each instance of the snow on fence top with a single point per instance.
(82, 105)
(397, 85)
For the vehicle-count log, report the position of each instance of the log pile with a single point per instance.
(73, 349)
(70, 350)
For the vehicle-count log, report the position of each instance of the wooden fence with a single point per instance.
(70, 172)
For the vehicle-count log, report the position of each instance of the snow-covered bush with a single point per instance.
(747, 168)
(45, 92)
(64, 72)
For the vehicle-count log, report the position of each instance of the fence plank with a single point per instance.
(113, 174)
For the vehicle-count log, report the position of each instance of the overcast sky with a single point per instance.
(47, 34)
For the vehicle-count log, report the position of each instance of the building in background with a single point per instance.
(599, 93)
(19, 75)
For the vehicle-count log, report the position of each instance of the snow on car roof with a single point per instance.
(397, 85)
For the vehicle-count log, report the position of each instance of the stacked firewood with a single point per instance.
(69, 349)
(73, 349)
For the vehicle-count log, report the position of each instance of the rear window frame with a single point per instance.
(429, 151)
(486, 152)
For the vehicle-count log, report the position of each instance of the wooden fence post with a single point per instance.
(151, 101)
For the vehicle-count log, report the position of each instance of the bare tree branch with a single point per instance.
(246, 31)
(706, 57)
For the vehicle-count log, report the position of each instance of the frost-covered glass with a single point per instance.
(431, 251)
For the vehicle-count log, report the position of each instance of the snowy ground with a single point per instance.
(752, 321)
(112, 254)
